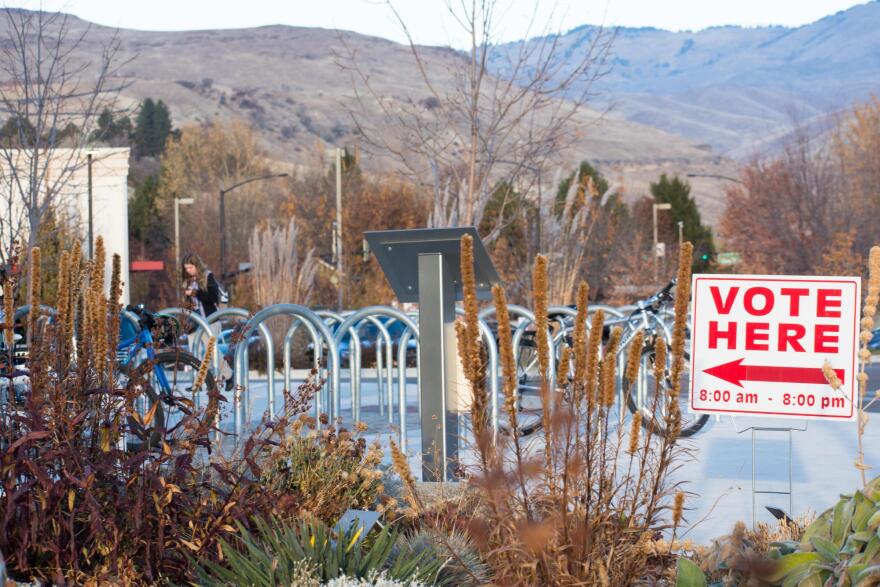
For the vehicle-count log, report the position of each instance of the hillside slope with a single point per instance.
(287, 82)
(732, 86)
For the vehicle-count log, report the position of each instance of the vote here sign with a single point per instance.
(759, 343)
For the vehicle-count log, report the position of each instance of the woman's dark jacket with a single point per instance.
(209, 297)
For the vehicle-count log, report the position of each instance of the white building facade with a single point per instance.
(106, 204)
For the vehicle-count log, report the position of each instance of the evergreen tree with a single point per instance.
(147, 229)
(18, 133)
(111, 131)
(153, 127)
(677, 192)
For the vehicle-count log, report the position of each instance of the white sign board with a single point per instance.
(759, 343)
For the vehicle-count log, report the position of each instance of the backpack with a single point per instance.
(224, 294)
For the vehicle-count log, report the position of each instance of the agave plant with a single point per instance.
(272, 554)
(464, 566)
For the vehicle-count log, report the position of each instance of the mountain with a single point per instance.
(288, 84)
(733, 87)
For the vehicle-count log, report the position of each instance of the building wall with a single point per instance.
(109, 200)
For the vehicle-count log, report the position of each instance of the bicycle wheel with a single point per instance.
(183, 414)
(642, 397)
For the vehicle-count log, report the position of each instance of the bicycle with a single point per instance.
(167, 382)
(647, 317)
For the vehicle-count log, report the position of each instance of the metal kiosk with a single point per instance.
(424, 265)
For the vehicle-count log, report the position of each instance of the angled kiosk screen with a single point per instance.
(398, 254)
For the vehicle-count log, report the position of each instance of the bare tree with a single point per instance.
(474, 128)
(51, 97)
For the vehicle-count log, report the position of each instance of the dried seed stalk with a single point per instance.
(505, 350)
(580, 336)
(206, 362)
(8, 315)
(34, 297)
(542, 342)
(868, 312)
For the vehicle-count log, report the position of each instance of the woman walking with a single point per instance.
(200, 286)
(204, 294)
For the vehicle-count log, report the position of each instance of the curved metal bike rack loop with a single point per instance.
(317, 344)
(354, 358)
(241, 352)
(383, 341)
(389, 359)
(356, 332)
(412, 330)
(528, 317)
(492, 350)
(401, 385)
(267, 342)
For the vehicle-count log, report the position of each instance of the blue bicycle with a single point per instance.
(173, 406)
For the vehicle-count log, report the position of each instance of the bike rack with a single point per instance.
(267, 342)
(383, 337)
(412, 330)
(241, 353)
(385, 398)
(354, 358)
(319, 352)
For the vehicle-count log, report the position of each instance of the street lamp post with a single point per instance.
(178, 202)
(680, 233)
(223, 193)
(656, 207)
(338, 240)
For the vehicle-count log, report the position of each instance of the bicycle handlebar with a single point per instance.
(145, 317)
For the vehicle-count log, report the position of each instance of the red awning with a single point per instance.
(147, 266)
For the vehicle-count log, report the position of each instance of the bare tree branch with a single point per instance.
(474, 129)
(53, 98)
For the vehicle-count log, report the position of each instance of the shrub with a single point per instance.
(273, 554)
(323, 472)
(76, 504)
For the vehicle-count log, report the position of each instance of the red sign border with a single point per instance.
(853, 379)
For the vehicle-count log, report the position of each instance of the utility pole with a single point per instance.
(91, 215)
(338, 231)
(177, 203)
(663, 206)
(680, 233)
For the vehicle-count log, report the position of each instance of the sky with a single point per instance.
(429, 21)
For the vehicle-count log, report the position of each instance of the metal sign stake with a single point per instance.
(439, 418)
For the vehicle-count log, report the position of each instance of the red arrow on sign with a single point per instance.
(735, 372)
